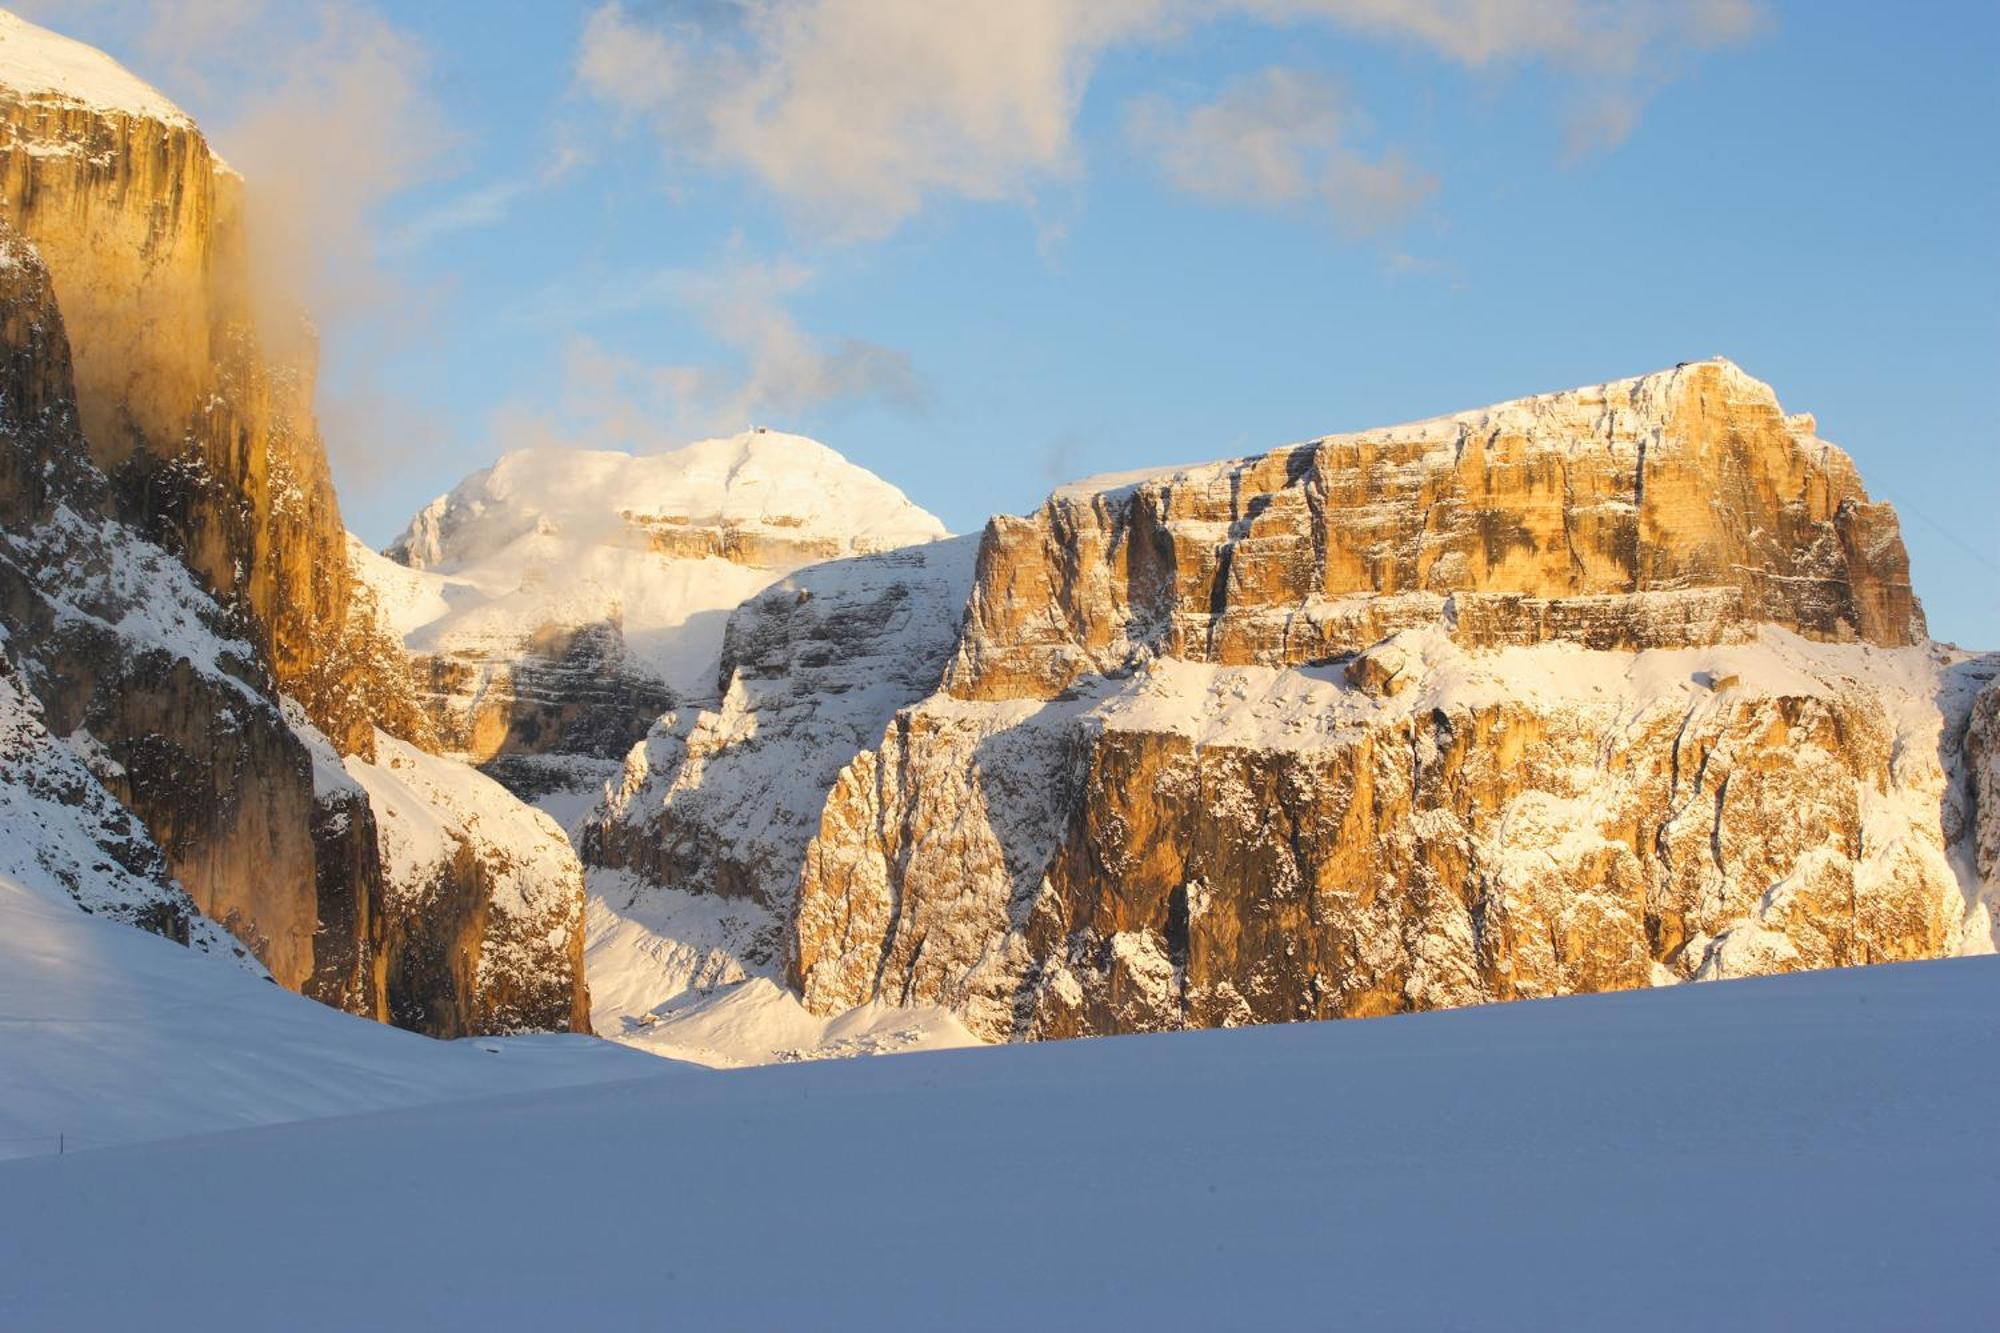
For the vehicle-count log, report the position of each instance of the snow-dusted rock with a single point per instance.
(722, 800)
(1597, 690)
(483, 899)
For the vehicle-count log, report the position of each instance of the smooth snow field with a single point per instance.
(1806, 1151)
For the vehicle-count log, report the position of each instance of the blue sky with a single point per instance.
(1097, 237)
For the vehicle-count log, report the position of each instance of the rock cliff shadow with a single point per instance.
(1959, 691)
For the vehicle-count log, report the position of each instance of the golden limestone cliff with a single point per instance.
(203, 424)
(1609, 688)
(1673, 509)
(152, 435)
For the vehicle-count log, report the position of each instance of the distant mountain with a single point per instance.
(561, 600)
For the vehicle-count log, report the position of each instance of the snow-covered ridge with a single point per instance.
(787, 486)
(1617, 413)
(37, 63)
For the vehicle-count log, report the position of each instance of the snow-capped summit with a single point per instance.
(38, 64)
(563, 599)
(762, 488)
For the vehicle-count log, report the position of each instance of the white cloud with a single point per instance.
(856, 112)
(1278, 139)
(1594, 36)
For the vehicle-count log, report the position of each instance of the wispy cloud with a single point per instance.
(856, 111)
(1277, 140)
(326, 110)
(485, 205)
(771, 369)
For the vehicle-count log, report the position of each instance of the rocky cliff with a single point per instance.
(200, 414)
(174, 563)
(1609, 688)
(1674, 509)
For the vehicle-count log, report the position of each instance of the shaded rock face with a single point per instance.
(1679, 508)
(723, 800)
(1982, 749)
(571, 690)
(1612, 688)
(483, 900)
(61, 829)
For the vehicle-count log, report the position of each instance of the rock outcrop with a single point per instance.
(483, 901)
(1610, 688)
(173, 573)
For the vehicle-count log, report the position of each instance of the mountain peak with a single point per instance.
(758, 483)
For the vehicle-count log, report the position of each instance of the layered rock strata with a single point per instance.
(1674, 509)
(1610, 688)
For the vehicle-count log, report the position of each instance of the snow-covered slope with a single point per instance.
(46, 66)
(764, 484)
(111, 1035)
(560, 538)
(1790, 1152)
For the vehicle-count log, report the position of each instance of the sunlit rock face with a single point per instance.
(1609, 688)
(173, 576)
(201, 418)
(126, 656)
(1678, 508)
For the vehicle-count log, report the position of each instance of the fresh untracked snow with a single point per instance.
(1793, 1152)
(110, 1035)
(38, 63)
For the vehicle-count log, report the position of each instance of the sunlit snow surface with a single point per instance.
(1804, 1151)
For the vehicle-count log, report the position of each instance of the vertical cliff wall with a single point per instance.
(175, 569)
(1677, 508)
(204, 426)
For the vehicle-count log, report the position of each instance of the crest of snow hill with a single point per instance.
(1615, 687)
